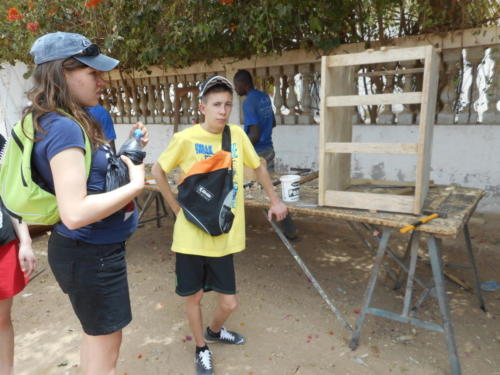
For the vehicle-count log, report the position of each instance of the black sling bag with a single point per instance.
(206, 192)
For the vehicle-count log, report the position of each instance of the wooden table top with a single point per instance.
(456, 202)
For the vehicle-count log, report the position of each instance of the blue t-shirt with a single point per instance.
(257, 110)
(60, 134)
(102, 116)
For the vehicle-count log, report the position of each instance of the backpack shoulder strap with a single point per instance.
(226, 139)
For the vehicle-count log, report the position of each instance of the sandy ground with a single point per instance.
(290, 330)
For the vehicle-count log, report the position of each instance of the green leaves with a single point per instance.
(178, 33)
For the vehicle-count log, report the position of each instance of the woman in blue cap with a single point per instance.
(86, 250)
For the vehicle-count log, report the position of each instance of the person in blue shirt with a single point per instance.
(259, 121)
(258, 116)
(103, 118)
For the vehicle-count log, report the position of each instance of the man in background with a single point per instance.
(259, 121)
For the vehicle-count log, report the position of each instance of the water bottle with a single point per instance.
(132, 148)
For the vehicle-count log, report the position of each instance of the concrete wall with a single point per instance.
(12, 94)
(461, 154)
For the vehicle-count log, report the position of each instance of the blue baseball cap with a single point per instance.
(61, 45)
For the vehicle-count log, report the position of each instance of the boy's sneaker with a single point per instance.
(203, 362)
(225, 336)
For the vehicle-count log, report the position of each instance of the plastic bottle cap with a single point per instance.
(137, 133)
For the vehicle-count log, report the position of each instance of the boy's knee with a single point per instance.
(229, 305)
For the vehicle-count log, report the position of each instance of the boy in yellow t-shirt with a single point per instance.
(205, 262)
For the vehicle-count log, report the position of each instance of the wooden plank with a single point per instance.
(369, 182)
(325, 117)
(426, 126)
(369, 201)
(335, 125)
(371, 148)
(340, 130)
(377, 99)
(377, 57)
(391, 72)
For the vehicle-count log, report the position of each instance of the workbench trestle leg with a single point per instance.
(472, 260)
(370, 289)
(437, 272)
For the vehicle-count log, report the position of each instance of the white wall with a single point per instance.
(12, 94)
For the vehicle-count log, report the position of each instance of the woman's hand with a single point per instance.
(136, 173)
(145, 133)
(27, 259)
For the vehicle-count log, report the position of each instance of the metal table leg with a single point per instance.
(437, 272)
(406, 256)
(369, 246)
(391, 255)
(413, 245)
(369, 290)
(159, 205)
(472, 260)
(146, 205)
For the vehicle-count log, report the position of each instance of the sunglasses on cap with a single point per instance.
(91, 50)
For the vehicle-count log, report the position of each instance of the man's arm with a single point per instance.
(165, 189)
(254, 134)
(278, 208)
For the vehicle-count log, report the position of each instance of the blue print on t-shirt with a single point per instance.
(203, 149)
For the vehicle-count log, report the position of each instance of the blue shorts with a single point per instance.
(95, 279)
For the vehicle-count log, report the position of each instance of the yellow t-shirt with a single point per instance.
(192, 145)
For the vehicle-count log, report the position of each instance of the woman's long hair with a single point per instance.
(50, 92)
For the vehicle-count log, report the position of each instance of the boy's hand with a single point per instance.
(27, 259)
(277, 209)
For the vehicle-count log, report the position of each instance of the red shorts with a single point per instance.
(12, 279)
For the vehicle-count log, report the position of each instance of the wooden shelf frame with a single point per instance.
(338, 99)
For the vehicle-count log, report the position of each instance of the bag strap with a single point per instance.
(226, 139)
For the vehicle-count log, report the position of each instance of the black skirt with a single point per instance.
(95, 279)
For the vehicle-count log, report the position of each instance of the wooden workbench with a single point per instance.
(456, 202)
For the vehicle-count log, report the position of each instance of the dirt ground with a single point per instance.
(289, 329)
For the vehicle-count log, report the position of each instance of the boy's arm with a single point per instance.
(278, 208)
(165, 189)
(26, 258)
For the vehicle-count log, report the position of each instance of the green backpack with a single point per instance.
(22, 197)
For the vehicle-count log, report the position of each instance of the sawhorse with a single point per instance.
(160, 209)
(407, 316)
(435, 289)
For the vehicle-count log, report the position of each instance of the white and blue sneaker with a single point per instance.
(225, 336)
(203, 362)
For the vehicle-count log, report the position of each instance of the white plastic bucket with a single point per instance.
(290, 187)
